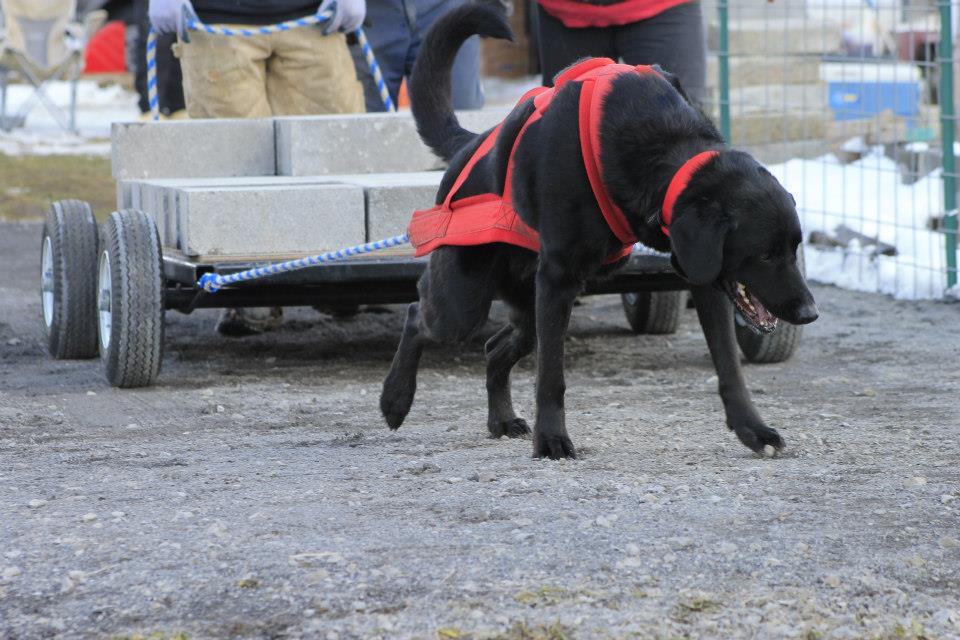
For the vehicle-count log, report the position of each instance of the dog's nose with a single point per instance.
(807, 313)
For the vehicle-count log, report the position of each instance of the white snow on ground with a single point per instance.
(869, 197)
(97, 108)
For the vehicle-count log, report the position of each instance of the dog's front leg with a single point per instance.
(716, 317)
(557, 289)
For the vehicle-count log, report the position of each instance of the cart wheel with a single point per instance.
(68, 280)
(130, 299)
(777, 346)
(654, 311)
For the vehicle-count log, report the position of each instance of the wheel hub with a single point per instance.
(46, 281)
(104, 301)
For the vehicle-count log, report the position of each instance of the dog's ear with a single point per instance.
(697, 234)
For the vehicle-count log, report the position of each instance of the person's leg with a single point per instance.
(310, 73)
(672, 39)
(561, 46)
(389, 36)
(466, 88)
(224, 77)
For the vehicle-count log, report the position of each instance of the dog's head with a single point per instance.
(735, 226)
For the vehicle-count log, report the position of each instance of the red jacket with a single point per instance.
(605, 13)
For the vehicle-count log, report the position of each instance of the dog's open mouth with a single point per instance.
(750, 312)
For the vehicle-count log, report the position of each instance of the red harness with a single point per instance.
(489, 217)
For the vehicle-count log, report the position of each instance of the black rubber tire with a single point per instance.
(131, 357)
(770, 348)
(72, 230)
(655, 312)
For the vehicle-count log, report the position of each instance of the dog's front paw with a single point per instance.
(515, 428)
(552, 446)
(395, 405)
(759, 436)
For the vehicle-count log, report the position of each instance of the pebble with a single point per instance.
(9, 573)
(12, 342)
(606, 521)
(947, 542)
(769, 451)
(727, 548)
(917, 481)
(832, 581)
(88, 517)
(36, 503)
(421, 469)
(680, 542)
(946, 618)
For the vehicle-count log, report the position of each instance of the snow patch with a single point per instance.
(869, 197)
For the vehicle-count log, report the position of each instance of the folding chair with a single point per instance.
(40, 42)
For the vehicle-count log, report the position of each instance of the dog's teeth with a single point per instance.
(741, 288)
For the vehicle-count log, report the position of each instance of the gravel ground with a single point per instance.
(254, 492)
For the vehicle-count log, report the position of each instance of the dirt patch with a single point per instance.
(254, 492)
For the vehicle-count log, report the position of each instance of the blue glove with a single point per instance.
(348, 15)
(165, 14)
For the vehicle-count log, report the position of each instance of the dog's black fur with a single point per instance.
(733, 223)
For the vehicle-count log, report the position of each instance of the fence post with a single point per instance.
(723, 58)
(947, 136)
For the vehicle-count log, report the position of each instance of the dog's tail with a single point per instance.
(430, 81)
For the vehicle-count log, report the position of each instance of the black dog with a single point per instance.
(734, 234)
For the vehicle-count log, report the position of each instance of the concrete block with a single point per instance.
(763, 37)
(189, 210)
(391, 204)
(235, 220)
(367, 143)
(767, 70)
(189, 148)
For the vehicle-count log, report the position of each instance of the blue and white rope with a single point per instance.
(214, 30)
(211, 282)
(194, 24)
(375, 70)
(152, 74)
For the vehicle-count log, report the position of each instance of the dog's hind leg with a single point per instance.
(716, 317)
(456, 291)
(504, 350)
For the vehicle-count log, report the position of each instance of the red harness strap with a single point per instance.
(487, 218)
(679, 182)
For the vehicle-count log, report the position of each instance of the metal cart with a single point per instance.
(105, 288)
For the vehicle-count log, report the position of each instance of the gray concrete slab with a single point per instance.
(193, 148)
(366, 143)
(389, 201)
(216, 221)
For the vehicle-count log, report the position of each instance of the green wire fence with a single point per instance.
(851, 104)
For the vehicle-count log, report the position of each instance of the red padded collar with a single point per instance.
(679, 182)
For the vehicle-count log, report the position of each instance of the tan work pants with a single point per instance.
(296, 72)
